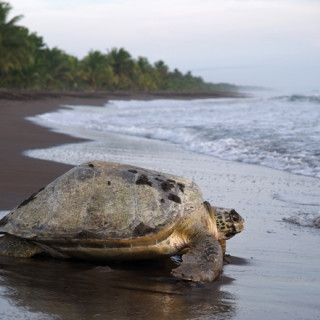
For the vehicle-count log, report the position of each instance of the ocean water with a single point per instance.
(280, 131)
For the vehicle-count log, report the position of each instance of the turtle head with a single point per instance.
(228, 221)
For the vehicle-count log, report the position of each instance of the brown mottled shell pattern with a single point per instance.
(103, 200)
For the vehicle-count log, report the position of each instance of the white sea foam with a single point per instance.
(309, 203)
(278, 132)
(3, 213)
(304, 219)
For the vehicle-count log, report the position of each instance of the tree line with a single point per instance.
(26, 62)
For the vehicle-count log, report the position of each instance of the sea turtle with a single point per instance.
(104, 210)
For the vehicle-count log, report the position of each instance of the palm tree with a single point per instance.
(15, 47)
(146, 74)
(144, 65)
(123, 68)
(120, 60)
(162, 74)
(29, 75)
(53, 68)
(97, 70)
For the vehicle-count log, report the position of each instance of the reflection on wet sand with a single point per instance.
(49, 289)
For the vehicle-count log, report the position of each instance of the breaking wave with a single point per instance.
(281, 132)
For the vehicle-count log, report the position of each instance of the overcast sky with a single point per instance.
(274, 43)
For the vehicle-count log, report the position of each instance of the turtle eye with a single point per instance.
(234, 216)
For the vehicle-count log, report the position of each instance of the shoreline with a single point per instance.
(273, 270)
(29, 94)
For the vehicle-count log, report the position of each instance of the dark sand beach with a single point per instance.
(273, 269)
(19, 175)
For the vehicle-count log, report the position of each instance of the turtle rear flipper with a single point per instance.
(203, 261)
(16, 247)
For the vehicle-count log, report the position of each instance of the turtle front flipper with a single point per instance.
(223, 245)
(202, 262)
(16, 247)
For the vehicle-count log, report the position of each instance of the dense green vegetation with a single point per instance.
(26, 62)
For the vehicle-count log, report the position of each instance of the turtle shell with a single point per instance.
(104, 201)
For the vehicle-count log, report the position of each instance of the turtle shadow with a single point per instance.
(238, 261)
(68, 289)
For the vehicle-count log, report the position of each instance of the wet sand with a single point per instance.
(274, 266)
